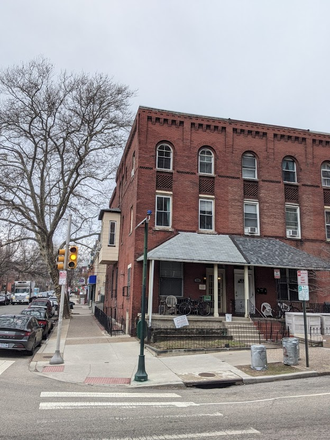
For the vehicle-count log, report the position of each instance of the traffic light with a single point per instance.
(60, 259)
(73, 257)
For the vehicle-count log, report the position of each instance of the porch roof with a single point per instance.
(234, 250)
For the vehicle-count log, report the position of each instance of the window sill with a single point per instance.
(164, 170)
(206, 231)
(163, 228)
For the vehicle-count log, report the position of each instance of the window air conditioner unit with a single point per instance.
(292, 233)
(251, 230)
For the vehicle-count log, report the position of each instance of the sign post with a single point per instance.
(303, 292)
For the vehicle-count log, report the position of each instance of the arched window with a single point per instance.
(164, 157)
(289, 172)
(205, 162)
(249, 166)
(325, 174)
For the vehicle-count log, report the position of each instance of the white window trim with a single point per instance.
(171, 159)
(295, 170)
(326, 209)
(169, 195)
(246, 231)
(206, 199)
(287, 229)
(114, 234)
(199, 164)
(255, 168)
(324, 178)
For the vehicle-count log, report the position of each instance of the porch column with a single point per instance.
(246, 291)
(151, 289)
(215, 291)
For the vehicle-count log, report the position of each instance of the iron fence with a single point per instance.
(110, 325)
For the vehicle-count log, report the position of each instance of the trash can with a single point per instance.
(290, 351)
(258, 357)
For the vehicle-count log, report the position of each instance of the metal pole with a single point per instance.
(306, 336)
(57, 358)
(141, 375)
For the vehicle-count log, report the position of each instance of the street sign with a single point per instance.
(62, 278)
(303, 292)
(302, 277)
(277, 274)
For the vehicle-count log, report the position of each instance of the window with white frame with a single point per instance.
(206, 215)
(289, 172)
(327, 224)
(205, 161)
(292, 221)
(251, 217)
(164, 157)
(112, 233)
(133, 164)
(131, 215)
(325, 174)
(163, 211)
(249, 166)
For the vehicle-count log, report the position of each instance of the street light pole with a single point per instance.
(57, 358)
(141, 375)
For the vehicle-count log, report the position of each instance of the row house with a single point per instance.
(237, 208)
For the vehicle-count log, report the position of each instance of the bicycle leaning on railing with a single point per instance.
(283, 307)
(199, 307)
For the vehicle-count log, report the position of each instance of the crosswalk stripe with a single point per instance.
(4, 365)
(109, 395)
(189, 436)
(75, 405)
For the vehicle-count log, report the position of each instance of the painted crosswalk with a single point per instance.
(97, 400)
(4, 365)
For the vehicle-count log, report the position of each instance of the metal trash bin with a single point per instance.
(290, 351)
(258, 357)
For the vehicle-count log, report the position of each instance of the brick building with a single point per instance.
(237, 207)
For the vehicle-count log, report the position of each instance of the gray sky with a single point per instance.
(254, 60)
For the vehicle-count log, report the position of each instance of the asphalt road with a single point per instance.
(33, 406)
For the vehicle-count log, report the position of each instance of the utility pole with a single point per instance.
(57, 358)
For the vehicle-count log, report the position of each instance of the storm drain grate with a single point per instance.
(108, 380)
(57, 369)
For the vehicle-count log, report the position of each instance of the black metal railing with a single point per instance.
(110, 325)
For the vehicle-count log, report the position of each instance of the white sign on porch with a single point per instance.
(180, 321)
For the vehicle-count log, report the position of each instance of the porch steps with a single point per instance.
(244, 331)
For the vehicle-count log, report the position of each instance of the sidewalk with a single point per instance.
(91, 356)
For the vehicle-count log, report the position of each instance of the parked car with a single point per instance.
(20, 332)
(43, 302)
(4, 299)
(53, 300)
(43, 317)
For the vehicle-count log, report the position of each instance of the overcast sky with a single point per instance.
(254, 60)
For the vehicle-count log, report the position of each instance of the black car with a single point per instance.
(43, 317)
(20, 332)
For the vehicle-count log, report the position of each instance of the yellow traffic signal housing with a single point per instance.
(73, 257)
(60, 259)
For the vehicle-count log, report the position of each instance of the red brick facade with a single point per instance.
(139, 180)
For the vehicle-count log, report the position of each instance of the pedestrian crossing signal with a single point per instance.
(73, 257)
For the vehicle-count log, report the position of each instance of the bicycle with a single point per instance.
(199, 307)
(283, 307)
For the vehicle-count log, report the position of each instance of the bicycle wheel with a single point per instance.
(204, 309)
(184, 309)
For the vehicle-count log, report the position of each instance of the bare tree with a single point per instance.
(60, 139)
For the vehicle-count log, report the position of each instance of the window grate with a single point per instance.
(206, 185)
(291, 194)
(251, 190)
(326, 197)
(164, 181)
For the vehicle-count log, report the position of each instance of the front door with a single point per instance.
(239, 292)
(221, 288)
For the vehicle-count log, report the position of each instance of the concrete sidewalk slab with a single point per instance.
(91, 356)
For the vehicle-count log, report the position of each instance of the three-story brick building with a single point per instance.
(237, 207)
